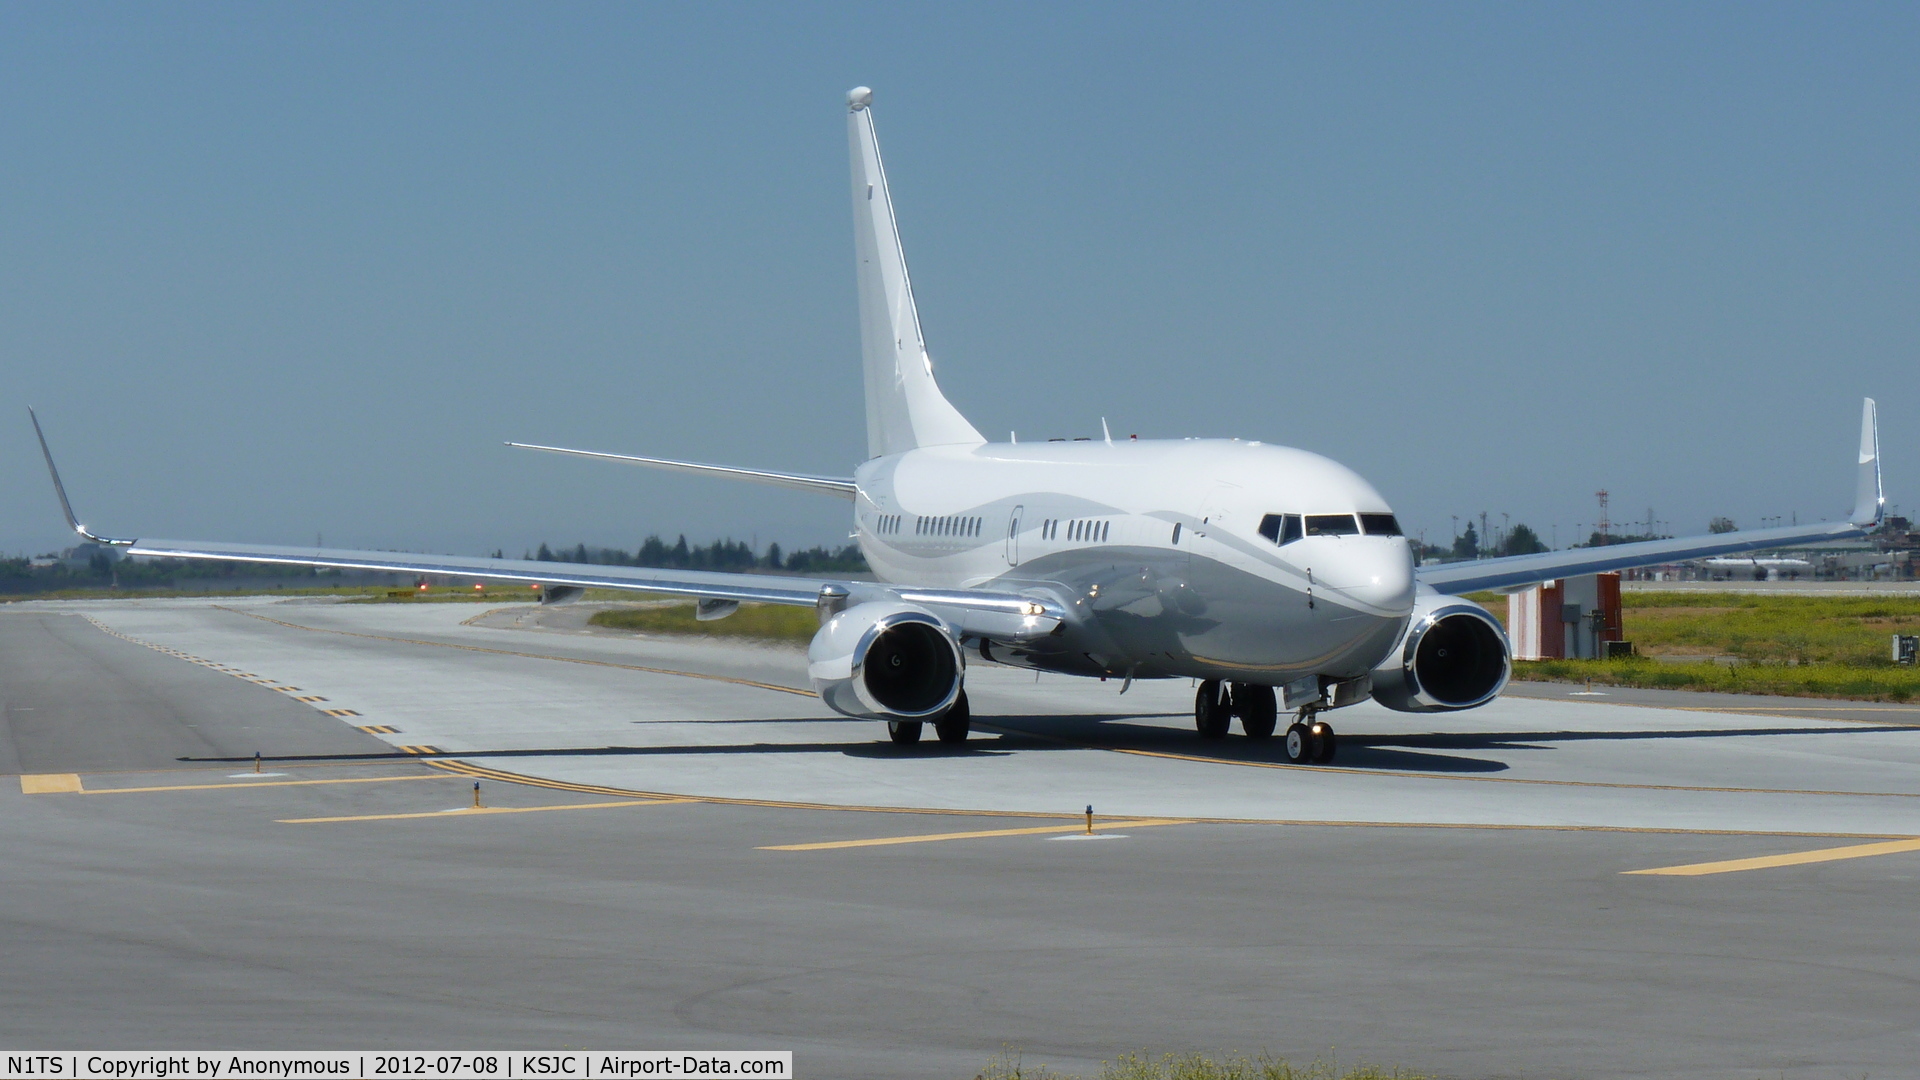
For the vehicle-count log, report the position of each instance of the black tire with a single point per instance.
(904, 732)
(1259, 713)
(1325, 743)
(952, 727)
(1211, 714)
(1299, 744)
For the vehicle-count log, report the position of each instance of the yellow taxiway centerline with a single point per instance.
(77, 789)
(1798, 858)
(927, 838)
(470, 811)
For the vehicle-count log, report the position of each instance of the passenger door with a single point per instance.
(1013, 536)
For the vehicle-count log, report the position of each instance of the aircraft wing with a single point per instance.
(1513, 571)
(1000, 616)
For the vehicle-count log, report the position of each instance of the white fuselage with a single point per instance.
(1155, 549)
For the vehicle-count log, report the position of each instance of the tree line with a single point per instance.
(728, 554)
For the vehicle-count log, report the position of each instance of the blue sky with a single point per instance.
(272, 271)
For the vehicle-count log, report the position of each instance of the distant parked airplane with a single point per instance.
(1276, 577)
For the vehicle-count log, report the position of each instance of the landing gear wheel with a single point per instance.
(1324, 742)
(1299, 744)
(904, 732)
(1255, 706)
(1211, 713)
(954, 725)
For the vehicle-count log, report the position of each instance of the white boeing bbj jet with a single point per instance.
(1251, 568)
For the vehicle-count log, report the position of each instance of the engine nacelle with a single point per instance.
(886, 661)
(1454, 656)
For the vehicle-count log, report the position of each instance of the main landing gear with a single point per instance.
(1215, 704)
(952, 727)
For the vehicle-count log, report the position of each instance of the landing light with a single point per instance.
(1033, 607)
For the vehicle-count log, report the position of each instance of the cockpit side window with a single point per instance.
(1280, 528)
(1331, 525)
(1380, 525)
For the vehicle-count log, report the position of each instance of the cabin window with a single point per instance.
(1176, 532)
(1331, 525)
(1380, 525)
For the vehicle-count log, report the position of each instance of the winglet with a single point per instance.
(1870, 502)
(61, 489)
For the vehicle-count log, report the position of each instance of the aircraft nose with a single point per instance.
(1375, 572)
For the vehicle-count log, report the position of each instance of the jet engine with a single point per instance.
(886, 661)
(1454, 655)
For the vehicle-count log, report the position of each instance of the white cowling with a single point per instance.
(886, 661)
(1453, 656)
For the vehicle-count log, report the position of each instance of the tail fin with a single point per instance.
(905, 408)
(1869, 500)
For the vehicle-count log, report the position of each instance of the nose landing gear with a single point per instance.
(1310, 741)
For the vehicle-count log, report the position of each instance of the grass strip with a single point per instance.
(764, 622)
(1884, 683)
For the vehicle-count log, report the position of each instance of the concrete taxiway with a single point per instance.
(679, 847)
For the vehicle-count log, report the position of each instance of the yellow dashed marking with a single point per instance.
(422, 749)
(380, 729)
(339, 712)
(310, 698)
(927, 838)
(49, 783)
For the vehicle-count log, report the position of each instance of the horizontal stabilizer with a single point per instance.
(830, 485)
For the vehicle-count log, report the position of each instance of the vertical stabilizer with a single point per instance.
(1869, 499)
(905, 408)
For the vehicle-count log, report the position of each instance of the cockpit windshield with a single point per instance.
(1331, 525)
(1286, 528)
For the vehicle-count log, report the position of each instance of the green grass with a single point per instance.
(1884, 683)
(1854, 631)
(766, 622)
(1794, 645)
(1008, 1066)
(499, 594)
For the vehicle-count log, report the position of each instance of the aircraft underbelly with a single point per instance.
(1158, 614)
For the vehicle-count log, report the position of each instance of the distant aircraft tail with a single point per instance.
(1870, 499)
(905, 408)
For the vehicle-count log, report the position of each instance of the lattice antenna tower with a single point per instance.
(1603, 525)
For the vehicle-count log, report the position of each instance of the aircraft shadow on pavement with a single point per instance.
(1528, 740)
(1114, 731)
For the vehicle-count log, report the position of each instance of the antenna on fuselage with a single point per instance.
(1105, 432)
